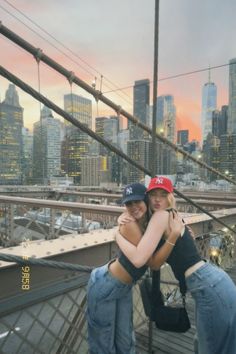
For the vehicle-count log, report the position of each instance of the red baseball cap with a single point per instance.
(161, 183)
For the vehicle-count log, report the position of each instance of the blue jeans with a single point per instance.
(109, 314)
(215, 298)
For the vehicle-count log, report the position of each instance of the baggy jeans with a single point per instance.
(109, 314)
(215, 298)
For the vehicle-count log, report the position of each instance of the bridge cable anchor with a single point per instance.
(38, 55)
(71, 77)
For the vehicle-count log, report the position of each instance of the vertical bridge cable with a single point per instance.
(94, 84)
(37, 58)
(153, 160)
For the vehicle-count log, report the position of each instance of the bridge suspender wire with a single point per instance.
(99, 96)
(68, 117)
(88, 131)
(153, 160)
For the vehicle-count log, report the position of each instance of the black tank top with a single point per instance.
(135, 273)
(183, 256)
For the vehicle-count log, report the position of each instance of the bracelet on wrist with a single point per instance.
(170, 243)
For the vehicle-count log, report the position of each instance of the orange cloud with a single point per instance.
(184, 122)
(188, 116)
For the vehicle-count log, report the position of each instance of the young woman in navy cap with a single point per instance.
(212, 289)
(109, 297)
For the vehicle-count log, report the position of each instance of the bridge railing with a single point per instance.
(52, 319)
(28, 218)
(22, 218)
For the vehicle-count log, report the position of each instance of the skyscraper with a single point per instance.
(123, 138)
(166, 126)
(209, 103)
(227, 154)
(108, 129)
(75, 144)
(141, 100)
(166, 117)
(11, 147)
(94, 170)
(139, 151)
(182, 137)
(46, 147)
(219, 121)
(111, 129)
(27, 158)
(100, 130)
(211, 154)
(79, 107)
(232, 97)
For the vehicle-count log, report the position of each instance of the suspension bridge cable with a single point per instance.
(65, 47)
(88, 131)
(177, 76)
(99, 96)
(202, 209)
(46, 40)
(95, 70)
(91, 67)
(24, 260)
(67, 116)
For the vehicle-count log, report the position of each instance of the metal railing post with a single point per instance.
(10, 222)
(52, 224)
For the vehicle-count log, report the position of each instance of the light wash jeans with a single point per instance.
(215, 298)
(109, 314)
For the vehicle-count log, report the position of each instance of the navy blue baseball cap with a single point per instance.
(134, 191)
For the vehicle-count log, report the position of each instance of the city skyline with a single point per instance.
(102, 39)
(55, 149)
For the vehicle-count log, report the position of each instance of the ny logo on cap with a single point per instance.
(159, 180)
(129, 190)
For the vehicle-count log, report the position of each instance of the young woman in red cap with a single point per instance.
(109, 300)
(212, 289)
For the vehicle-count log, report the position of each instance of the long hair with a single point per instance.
(171, 200)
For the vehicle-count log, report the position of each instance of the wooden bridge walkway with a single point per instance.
(169, 342)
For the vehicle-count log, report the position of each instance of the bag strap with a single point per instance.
(182, 288)
(156, 286)
(156, 295)
(156, 280)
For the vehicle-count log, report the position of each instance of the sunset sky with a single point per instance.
(115, 39)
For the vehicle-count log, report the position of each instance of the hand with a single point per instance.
(176, 224)
(124, 218)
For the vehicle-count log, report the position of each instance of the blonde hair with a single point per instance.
(171, 200)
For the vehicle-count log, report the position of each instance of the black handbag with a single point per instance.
(167, 318)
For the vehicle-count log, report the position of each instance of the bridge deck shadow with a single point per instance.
(169, 342)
